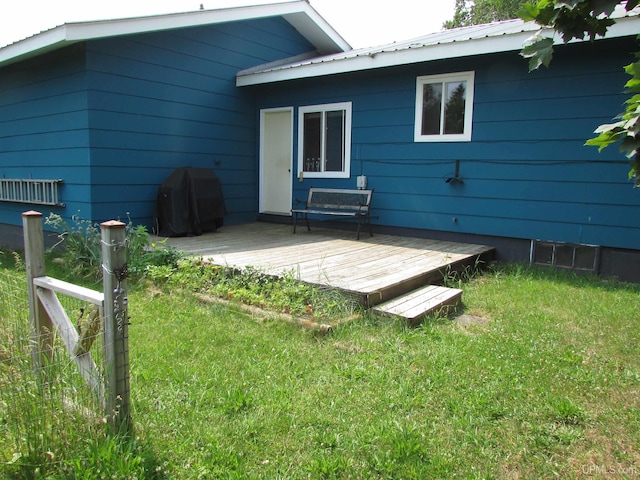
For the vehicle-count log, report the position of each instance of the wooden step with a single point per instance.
(420, 302)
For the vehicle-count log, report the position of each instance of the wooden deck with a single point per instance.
(375, 269)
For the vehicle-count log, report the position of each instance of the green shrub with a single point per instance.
(80, 248)
(252, 286)
(81, 244)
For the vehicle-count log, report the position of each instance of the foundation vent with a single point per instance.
(568, 256)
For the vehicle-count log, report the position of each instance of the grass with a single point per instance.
(547, 386)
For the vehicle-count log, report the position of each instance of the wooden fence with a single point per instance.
(48, 317)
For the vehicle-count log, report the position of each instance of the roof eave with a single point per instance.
(385, 59)
(298, 13)
(374, 61)
(627, 26)
(315, 28)
(33, 46)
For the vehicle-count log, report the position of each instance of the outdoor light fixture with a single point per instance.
(456, 177)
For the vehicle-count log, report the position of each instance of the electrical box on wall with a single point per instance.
(361, 182)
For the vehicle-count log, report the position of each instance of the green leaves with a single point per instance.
(633, 69)
(604, 7)
(474, 12)
(539, 51)
(627, 130)
(572, 19)
(607, 134)
(577, 19)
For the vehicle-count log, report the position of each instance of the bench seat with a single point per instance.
(335, 202)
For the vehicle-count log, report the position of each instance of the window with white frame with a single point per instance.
(324, 140)
(444, 107)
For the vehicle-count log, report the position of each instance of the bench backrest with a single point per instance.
(337, 198)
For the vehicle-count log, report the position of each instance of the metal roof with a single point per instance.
(504, 36)
(298, 13)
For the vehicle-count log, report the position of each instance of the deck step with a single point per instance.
(420, 302)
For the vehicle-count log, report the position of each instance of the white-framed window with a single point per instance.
(324, 140)
(444, 107)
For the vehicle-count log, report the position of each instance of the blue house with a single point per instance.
(458, 140)
(111, 108)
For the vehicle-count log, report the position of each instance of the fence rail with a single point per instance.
(75, 291)
(48, 316)
(40, 192)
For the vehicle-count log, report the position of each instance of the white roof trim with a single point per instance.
(298, 13)
(505, 36)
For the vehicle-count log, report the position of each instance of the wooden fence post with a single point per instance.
(116, 324)
(42, 333)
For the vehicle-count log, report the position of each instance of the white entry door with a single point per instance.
(276, 160)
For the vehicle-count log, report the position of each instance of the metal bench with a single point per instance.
(337, 202)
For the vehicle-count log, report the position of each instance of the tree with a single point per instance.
(474, 12)
(577, 19)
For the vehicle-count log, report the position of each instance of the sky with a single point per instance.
(362, 23)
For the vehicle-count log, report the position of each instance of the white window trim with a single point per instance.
(469, 77)
(346, 106)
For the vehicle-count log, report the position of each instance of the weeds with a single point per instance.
(458, 276)
(42, 434)
(80, 248)
(251, 286)
(545, 388)
(82, 244)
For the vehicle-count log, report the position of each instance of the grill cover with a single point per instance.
(189, 202)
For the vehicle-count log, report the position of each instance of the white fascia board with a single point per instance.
(384, 59)
(316, 29)
(110, 28)
(626, 26)
(373, 59)
(32, 46)
(298, 13)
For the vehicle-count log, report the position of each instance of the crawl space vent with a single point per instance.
(569, 256)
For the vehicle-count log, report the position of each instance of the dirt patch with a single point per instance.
(466, 321)
(260, 314)
(348, 347)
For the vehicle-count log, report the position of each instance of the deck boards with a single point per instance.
(374, 268)
(417, 303)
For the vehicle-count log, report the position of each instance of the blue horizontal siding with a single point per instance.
(527, 173)
(21, 109)
(114, 117)
(67, 121)
(557, 191)
(119, 122)
(497, 157)
(165, 100)
(524, 210)
(549, 108)
(43, 129)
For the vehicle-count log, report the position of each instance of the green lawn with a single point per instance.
(547, 385)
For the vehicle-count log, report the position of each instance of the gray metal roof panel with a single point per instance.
(508, 35)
